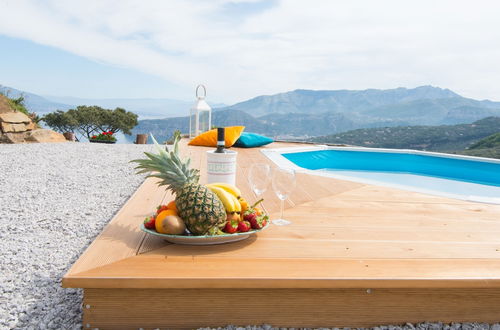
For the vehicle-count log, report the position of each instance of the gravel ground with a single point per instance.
(408, 326)
(54, 200)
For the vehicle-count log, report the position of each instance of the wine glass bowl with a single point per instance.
(283, 183)
(259, 177)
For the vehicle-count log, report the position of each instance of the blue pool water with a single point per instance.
(472, 171)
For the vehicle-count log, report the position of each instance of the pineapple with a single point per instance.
(201, 210)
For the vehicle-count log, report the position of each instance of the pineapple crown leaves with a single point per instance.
(168, 167)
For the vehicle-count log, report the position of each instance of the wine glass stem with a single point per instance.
(282, 207)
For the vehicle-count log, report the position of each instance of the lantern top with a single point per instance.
(204, 92)
(201, 104)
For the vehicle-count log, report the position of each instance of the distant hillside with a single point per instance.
(486, 152)
(300, 114)
(492, 141)
(436, 138)
(33, 102)
(281, 126)
(144, 107)
(147, 108)
(311, 101)
(487, 147)
(425, 105)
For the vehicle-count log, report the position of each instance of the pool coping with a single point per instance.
(275, 155)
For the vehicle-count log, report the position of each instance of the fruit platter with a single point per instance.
(208, 214)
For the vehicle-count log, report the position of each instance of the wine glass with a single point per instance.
(283, 183)
(259, 177)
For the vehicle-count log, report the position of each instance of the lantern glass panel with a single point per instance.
(204, 121)
(192, 124)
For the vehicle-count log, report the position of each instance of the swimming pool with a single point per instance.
(463, 177)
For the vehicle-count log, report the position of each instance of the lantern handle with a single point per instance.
(204, 91)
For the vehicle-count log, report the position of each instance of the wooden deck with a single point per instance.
(355, 255)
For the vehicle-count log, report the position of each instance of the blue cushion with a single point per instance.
(251, 140)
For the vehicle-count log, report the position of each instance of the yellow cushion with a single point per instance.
(209, 138)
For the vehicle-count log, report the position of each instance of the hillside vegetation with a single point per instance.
(487, 152)
(487, 147)
(492, 141)
(435, 138)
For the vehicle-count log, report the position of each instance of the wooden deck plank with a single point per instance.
(308, 308)
(281, 248)
(356, 255)
(343, 233)
(153, 270)
(385, 194)
(121, 238)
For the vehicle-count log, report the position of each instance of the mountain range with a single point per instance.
(298, 114)
(302, 114)
(424, 105)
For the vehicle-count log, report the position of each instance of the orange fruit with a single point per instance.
(172, 206)
(258, 211)
(244, 205)
(160, 218)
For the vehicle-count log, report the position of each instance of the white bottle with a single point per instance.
(221, 163)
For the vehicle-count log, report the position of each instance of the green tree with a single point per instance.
(61, 121)
(91, 120)
(117, 120)
(88, 119)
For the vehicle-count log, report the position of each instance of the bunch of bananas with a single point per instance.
(230, 196)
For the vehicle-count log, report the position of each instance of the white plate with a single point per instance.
(203, 240)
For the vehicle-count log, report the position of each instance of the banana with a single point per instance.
(225, 197)
(237, 204)
(230, 188)
(243, 203)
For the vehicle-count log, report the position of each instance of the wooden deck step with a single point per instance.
(389, 255)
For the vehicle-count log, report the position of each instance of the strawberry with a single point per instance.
(252, 212)
(259, 222)
(161, 208)
(244, 226)
(149, 222)
(249, 216)
(231, 227)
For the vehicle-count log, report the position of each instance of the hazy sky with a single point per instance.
(241, 49)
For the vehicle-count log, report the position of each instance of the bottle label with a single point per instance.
(221, 168)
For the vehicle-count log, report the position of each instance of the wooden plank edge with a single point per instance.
(276, 283)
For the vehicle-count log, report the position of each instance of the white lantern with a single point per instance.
(200, 116)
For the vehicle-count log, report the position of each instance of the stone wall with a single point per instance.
(16, 127)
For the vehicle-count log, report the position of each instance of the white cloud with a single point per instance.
(294, 44)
